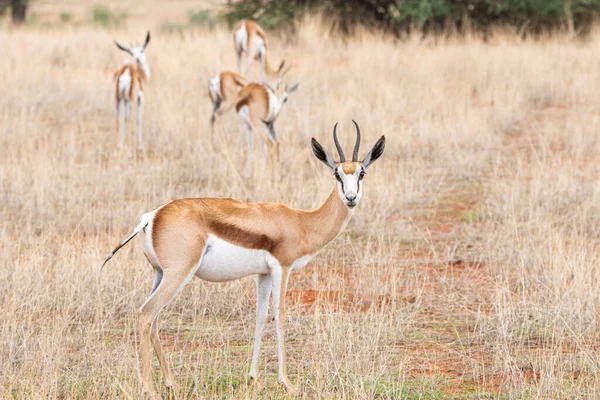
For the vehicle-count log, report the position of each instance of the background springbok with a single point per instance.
(258, 106)
(224, 88)
(250, 39)
(221, 240)
(130, 86)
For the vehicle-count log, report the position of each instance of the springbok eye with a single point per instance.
(337, 176)
(361, 175)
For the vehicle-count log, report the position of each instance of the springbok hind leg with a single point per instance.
(117, 114)
(138, 120)
(172, 282)
(154, 337)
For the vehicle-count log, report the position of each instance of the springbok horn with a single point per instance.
(357, 145)
(337, 144)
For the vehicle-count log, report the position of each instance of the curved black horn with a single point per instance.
(357, 145)
(337, 144)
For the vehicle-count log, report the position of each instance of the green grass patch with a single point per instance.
(104, 17)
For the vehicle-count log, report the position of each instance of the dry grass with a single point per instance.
(468, 271)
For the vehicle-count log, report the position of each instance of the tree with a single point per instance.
(19, 9)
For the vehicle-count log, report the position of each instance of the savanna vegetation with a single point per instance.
(469, 270)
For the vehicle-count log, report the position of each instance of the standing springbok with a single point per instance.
(222, 240)
(130, 86)
(250, 39)
(223, 88)
(258, 106)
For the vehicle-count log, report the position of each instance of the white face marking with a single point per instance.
(139, 54)
(349, 185)
(224, 261)
(275, 105)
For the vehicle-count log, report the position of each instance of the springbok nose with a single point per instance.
(351, 196)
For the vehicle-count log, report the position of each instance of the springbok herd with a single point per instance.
(221, 240)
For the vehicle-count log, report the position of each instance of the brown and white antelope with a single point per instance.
(250, 39)
(258, 106)
(130, 86)
(221, 240)
(223, 88)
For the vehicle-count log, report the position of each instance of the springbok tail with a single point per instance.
(143, 223)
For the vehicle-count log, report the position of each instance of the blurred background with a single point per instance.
(469, 270)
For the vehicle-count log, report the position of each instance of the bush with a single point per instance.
(103, 16)
(399, 16)
(65, 16)
(202, 18)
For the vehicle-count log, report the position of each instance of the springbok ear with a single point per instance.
(292, 89)
(375, 152)
(147, 39)
(322, 154)
(123, 48)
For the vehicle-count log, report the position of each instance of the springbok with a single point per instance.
(222, 240)
(130, 86)
(224, 88)
(250, 39)
(258, 105)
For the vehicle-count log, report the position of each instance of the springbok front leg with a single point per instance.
(280, 277)
(263, 291)
(138, 119)
(248, 129)
(261, 56)
(270, 140)
(250, 54)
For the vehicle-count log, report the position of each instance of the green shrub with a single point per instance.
(65, 16)
(202, 18)
(103, 16)
(429, 15)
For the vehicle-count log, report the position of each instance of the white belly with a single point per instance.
(224, 261)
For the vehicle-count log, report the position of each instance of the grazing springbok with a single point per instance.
(130, 86)
(258, 106)
(223, 88)
(250, 39)
(222, 240)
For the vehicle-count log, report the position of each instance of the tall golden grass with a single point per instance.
(468, 270)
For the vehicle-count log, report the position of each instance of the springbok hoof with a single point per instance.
(287, 385)
(256, 382)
